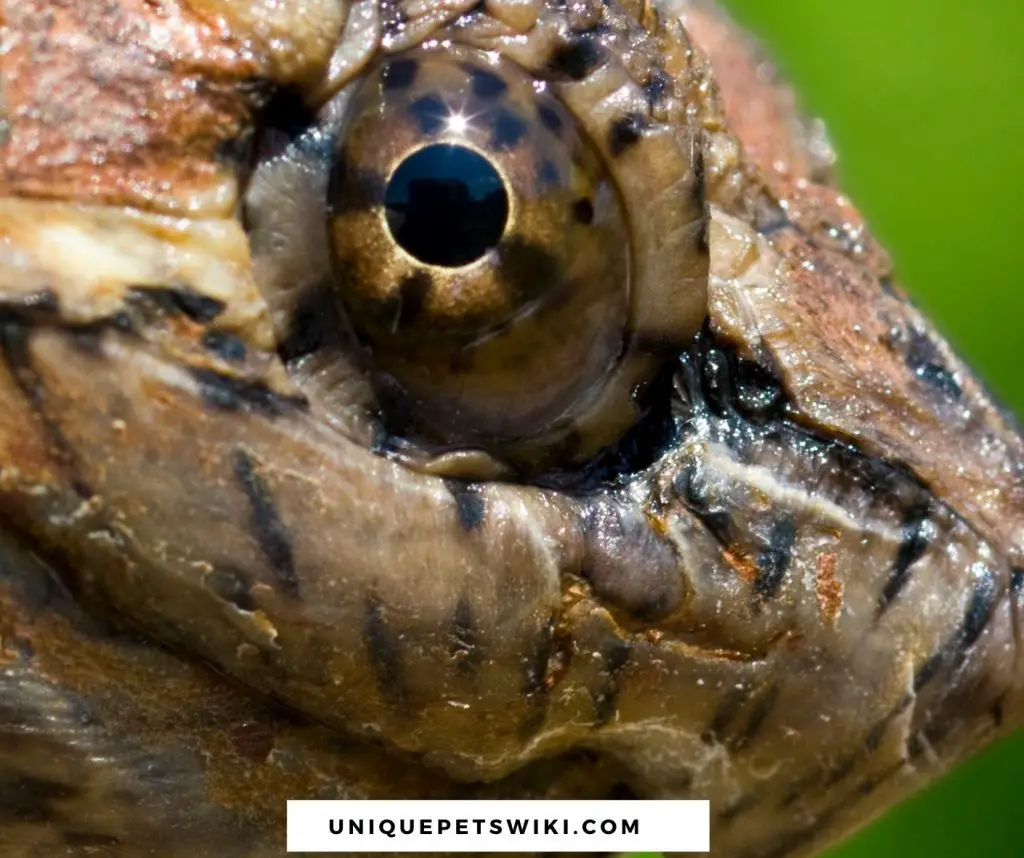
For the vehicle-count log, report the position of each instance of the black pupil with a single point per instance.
(446, 205)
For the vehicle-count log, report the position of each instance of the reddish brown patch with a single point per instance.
(830, 589)
(739, 560)
(121, 101)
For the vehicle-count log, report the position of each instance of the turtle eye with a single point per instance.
(479, 247)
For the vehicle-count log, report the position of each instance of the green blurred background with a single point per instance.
(924, 100)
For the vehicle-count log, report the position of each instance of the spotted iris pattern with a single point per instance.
(472, 225)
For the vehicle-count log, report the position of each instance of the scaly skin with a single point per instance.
(793, 587)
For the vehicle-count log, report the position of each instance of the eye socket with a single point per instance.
(480, 249)
(446, 205)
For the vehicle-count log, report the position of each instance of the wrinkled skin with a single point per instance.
(794, 588)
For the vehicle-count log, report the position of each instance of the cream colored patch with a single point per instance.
(90, 256)
(296, 37)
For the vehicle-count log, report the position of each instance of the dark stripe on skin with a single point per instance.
(25, 798)
(626, 131)
(873, 739)
(1017, 581)
(926, 362)
(542, 670)
(180, 301)
(227, 347)
(872, 782)
(614, 657)
(507, 129)
(235, 394)
(486, 85)
(232, 585)
(464, 649)
(762, 709)
(469, 503)
(577, 58)
(14, 348)
(659, 83)
(773, 562)
(976, 617)
(738, 807)
(399, 74)
(384, 651)
(913, 544)
(728, 708)
(269, 531)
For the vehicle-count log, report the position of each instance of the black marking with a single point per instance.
(399, 74)
(270, 532)
(773, 562)
(313, 324)
(728, 708)
(235, 394)
(976, 617)
(913, 544)
(465, 647)
(25, 798)
(625, 132)
(486, 85)
(583, 211)
(926, 362)
(527, 270)
(549, 118)
(547, 174)
(1017, 581)
(699, 188)
(887, 286)
(872, 782)
(873, 739)
(412, 297)
(536, 668)
(14, 350)
(762, 709)
(384, 651)
(430, 113)
(226, 346)
(577, 58)
(507, 129)
(738, 807)
(656, 87)
(840, 771)
(232, 585)
(469, 503)
(978, 614)
(615, 657)
(927, 672)
(284, 114)
(201, 309)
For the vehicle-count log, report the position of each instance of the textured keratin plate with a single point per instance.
(439, 398)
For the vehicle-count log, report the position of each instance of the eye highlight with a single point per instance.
(480, 248)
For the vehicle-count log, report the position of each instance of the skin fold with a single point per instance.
(772, 556)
